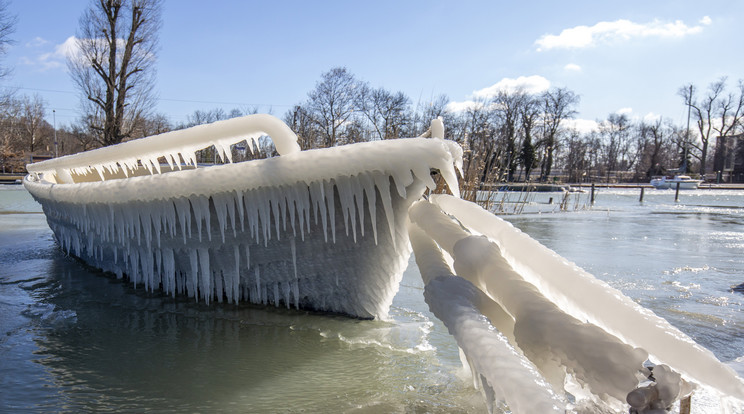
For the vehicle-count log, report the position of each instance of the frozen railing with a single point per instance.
(176, 147)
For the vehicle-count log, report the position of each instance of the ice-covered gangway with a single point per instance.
(329, 230)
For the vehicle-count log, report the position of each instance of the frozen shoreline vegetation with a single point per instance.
(583, 336)
(329, 230)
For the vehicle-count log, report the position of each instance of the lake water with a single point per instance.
(73, 339)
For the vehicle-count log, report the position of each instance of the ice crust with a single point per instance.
(320, 229)
(511, 269)
(329, 230)
(587, 298)
(501, 371)
(178, 148)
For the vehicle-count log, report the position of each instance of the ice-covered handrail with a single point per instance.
(173, 146)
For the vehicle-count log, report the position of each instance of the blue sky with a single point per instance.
(629, 56)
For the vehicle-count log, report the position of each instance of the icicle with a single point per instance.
(230, 201)
(347, 204)
(258, 286)
(296, 293)
(234, 284)
(331, 204)
(382, 182)
(369, 189)
(205, 274)
(220, 208)
(358, 191)
(184, 214)
(317, 194)
(247, 256)
(293, 247)
(192, 281)
(276, 294)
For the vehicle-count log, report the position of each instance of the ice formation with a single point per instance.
(318, 229)
(329, 230)
(556, 315)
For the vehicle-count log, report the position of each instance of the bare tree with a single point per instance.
(508, 106)
(115, 67)
(387, 112)
(558, 105)
(529, 113)
(32, 121)
(716, 113)
(302, 124)
(7, 27)
(615, 131)
(332, 103)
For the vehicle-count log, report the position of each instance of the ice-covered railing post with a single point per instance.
(319, 229)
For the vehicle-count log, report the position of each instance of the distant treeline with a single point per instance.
(512, 136)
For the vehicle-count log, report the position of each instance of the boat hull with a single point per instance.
(322, 230)
(274, 252)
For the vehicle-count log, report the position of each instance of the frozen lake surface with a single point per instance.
(74, 339)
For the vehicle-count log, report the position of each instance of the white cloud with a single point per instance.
(651, 117)
(529, 84)
(706, 20)
(52, 59)
(582, 125)
(37, 42)
(606, 32)
(463, 106)
(572, 67)
(624, 111)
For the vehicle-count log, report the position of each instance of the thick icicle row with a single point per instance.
(177, 245)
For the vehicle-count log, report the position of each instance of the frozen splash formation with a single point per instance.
(540, 333)
(318, 229)
(332, 229)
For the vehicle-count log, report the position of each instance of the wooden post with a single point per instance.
(676, 194)
(641, 199)
(592, 196)
(685, 405)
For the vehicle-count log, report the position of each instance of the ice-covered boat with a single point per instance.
(318, 229)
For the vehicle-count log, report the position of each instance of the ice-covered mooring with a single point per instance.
(332, 229)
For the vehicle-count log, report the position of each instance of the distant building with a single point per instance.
(729, 158)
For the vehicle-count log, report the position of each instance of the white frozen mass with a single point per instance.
(318, 229)
(332, 229)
